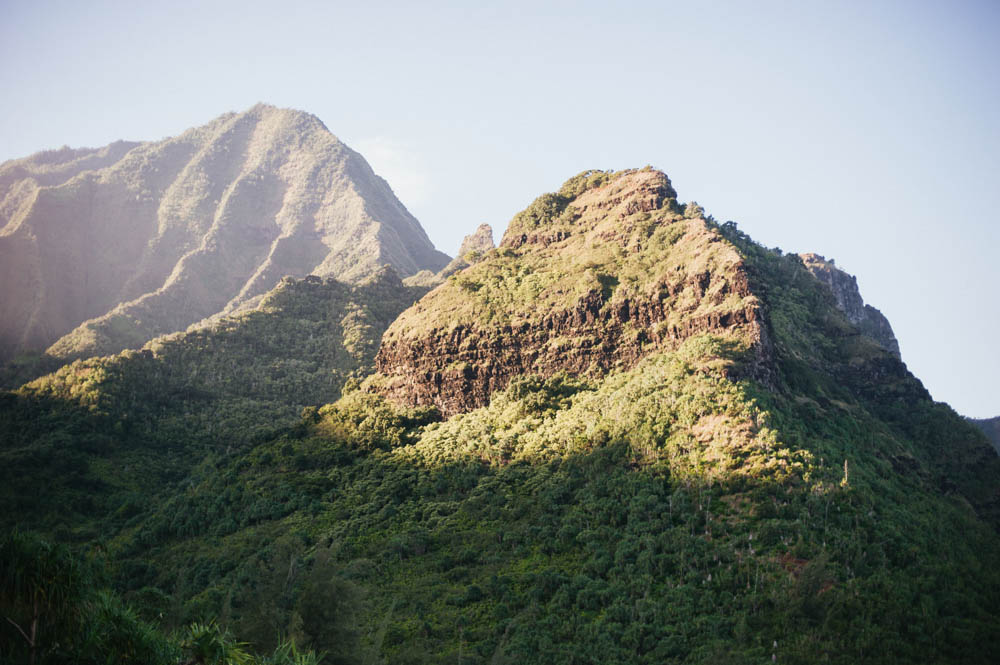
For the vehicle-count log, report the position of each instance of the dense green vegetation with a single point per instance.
(700, 540)
(106, 435)
(819, 508)
(58, 608)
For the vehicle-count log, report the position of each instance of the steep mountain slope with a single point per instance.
(611, 269)
(759, 392)
(105, 249)
(664, 444)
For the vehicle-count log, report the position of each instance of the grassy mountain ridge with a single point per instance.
(768, 488)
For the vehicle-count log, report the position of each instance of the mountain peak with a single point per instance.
(602, 194)
(588, 279)
(103, 249)
(481, 241)
(647, 187)
(299, 119)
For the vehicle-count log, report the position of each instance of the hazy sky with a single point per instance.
(863, 131)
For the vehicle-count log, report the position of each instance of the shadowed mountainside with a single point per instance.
(137, 418)
(105, 249)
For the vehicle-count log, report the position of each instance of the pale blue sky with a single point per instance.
(863, 131)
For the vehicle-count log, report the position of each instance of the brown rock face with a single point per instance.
(140, 239)
(845, 291)
(585, 281)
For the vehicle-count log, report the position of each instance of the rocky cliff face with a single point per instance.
(845, 291)
(104, 249)
(586, 280)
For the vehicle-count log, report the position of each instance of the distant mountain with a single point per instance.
(473, 249)
(104, 249)
(991, 428)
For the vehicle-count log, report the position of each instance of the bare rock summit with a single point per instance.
(474, 247)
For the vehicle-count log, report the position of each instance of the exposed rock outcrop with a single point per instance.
(474, 247)
(135, 240)
(480, 242)
(845, 291)
(589, 279)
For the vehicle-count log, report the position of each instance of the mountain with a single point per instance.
(102, 250)
(991, 428)
(582, 288)
(474, 246)
(627, 434)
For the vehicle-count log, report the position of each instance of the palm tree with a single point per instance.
(208, 644)
(41, 585)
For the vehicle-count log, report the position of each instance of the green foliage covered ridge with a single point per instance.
(106, 433)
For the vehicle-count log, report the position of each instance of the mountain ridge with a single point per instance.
(103, 249)
(849, 301)
(229, 382)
